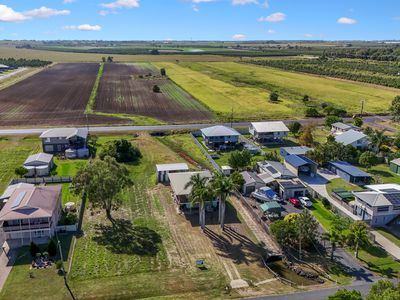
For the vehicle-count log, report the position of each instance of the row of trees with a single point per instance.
(22, 62)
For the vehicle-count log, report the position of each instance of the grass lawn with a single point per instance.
(223, 86)
(379, 261)
(13, 152)
(320, 134)
(44, 284)
(382, 174)
(390, 236)
(322, 214)
(340, 183)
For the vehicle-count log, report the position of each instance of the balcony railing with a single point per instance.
(8, 228)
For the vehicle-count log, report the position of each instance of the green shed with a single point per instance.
(395, 166)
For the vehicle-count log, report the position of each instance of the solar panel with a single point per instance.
(272, 170)
(18, 199)
(393, 198)
(390, 191)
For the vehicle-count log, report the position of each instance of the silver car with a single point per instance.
(306, 202)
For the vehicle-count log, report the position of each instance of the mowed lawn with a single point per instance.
(246, 88)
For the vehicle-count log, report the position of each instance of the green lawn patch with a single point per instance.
(390, 236)
(322, 214)
(339, 183)
(382, 174)
(93, 95)
(379, 261)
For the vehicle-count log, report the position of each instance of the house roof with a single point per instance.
(349, 169)
(374, 198)
(384, 188)
(219, 130)
(172, 167)
(278, 126)
(40, 157)
(179, 181)
(349, 137)
(296, 150)
(344, 126)
(291, 183)
(266, 177)
(275, 169)
(11, 188)
(31, 202)
(298, 160)
(65, 133)
(4, 66)
(251, 177)
(396, 161)
(270, 206)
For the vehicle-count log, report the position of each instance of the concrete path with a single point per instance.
(386, 244)
(6, 263)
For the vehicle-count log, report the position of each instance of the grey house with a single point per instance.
(251, 182)
(69, 141)
(354, 138)
(268, 132)
(379, 205)
(292, 188)
(301, 165)
(349, 172)
(220, 137)
(300, 150)
(339, 128)
(274, 170)
(39, 164)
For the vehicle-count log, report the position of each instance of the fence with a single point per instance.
(211, 160)
(67, 228)
(41, 180)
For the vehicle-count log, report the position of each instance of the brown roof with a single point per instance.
(31, 202)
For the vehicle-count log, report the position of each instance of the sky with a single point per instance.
(200, 19)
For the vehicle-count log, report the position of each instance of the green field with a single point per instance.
(223, 86)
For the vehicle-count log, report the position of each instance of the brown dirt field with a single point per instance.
(122, 92)
(58, 95)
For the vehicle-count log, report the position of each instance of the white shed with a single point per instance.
(39, 164)
(164, 169)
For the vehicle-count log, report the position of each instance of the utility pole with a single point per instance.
(63, 269)
(362, 107)
(232, 117)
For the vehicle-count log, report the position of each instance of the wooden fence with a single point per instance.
(43, 180)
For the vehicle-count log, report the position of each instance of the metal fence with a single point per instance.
(211, 160)
(43, 180)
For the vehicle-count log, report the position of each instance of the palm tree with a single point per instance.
(378, 138)
(223, 186)
(334, 237)
(200, 194)
(358, 235)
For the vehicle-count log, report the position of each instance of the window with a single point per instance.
(396, 207)
(383, 208)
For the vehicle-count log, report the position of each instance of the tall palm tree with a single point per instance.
(223, 186)
(334, 237)
(358, 235)
(201, 194)
(378, 138)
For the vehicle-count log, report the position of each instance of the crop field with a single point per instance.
(246, 88)
(56, 96)
(128, 89)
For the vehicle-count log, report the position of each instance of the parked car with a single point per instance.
(294, 201)
(305, 201)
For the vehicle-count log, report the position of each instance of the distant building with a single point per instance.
(395, 166)
(271, 170)
(268, 132)
(339, 128)
(379, 205)
(31, 214)
(251, 182)
(69, 141)
(349, 172)
(164, 170)
(220, 137)
(354, 138)
(301, 165)
(292, 188)
(300, 150)
(4, 68)
(39, 165)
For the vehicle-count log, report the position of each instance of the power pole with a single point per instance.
(63, 269)
(232, 118)
(362, 107)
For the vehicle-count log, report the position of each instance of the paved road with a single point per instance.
(110, 129)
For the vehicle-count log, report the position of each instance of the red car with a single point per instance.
(294, 201)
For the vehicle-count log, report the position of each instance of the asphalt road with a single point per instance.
(116, 129)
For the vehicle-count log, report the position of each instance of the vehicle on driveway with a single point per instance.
(294, 201)
(305, 201)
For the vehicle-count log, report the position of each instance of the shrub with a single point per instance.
(33, 249)
(122, 150)
(326, 203)
(52, 248)
(312, 112)
(156, 89)
(59, 264)
(71, 218)
(274, 97)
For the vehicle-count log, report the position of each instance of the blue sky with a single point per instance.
(200, 19)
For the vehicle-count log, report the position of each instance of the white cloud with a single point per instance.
(271, 31)
(202, 1)
(195, 8)
(121, 4)
(68, 1)
(308, 35)
(346, 21)
(274, 18)
(83, 27)
(266, 4)
(7, 14)
(244, 2)
(238, 37)
(103, 13)
(45, 12)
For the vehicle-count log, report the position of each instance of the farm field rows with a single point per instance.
(55, 96)
(246, 89)
(128, 89)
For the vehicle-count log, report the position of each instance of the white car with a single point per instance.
(305, 201)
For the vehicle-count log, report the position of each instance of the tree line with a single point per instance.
(18, 63)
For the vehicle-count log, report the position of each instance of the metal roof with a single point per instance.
(275, 168)
(219, 130)
(270, 206)
(396, 161)
(344, 126)
(349, 137)
(296, 150)
(298, 160)
(251, 177)
(349, 169)
(11, 188)
(65, 133)
(261, 127)
(40, 157)
(178, 181)
(172, 167)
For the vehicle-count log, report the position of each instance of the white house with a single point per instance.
(339, 128)
(220, 137)
(39, 164)
(164, 170)
(354, 138)
(268, 132)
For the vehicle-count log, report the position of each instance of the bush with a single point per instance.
(59, 264)
(122, 150)
(274, 97)
(33, 249)
(329, 120)
(71, 218)
(326, 203)
(52, 248)
(312, 112)
(156, 89)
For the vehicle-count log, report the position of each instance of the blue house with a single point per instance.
(301, 165)
(349, 172)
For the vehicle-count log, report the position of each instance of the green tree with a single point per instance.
(312, 112)
(238, 180)
(378, 138)
(223, 186)
(358, 122)
(334, 237)
(274, 97)
(306, 229)
(306, 98)
(284, 232)
(200, 194)
(239, 159)
(306, 137)
(384, 290)
(163, 72)
(294, 128)
(33, 249)
(122, 150)
(358, 236)
(20, 171)
(344, 294)
(92, 145)
(395, 108)
(52, 248)
(156, 89)
(102, 181)
(329, 120)
(368, 159)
